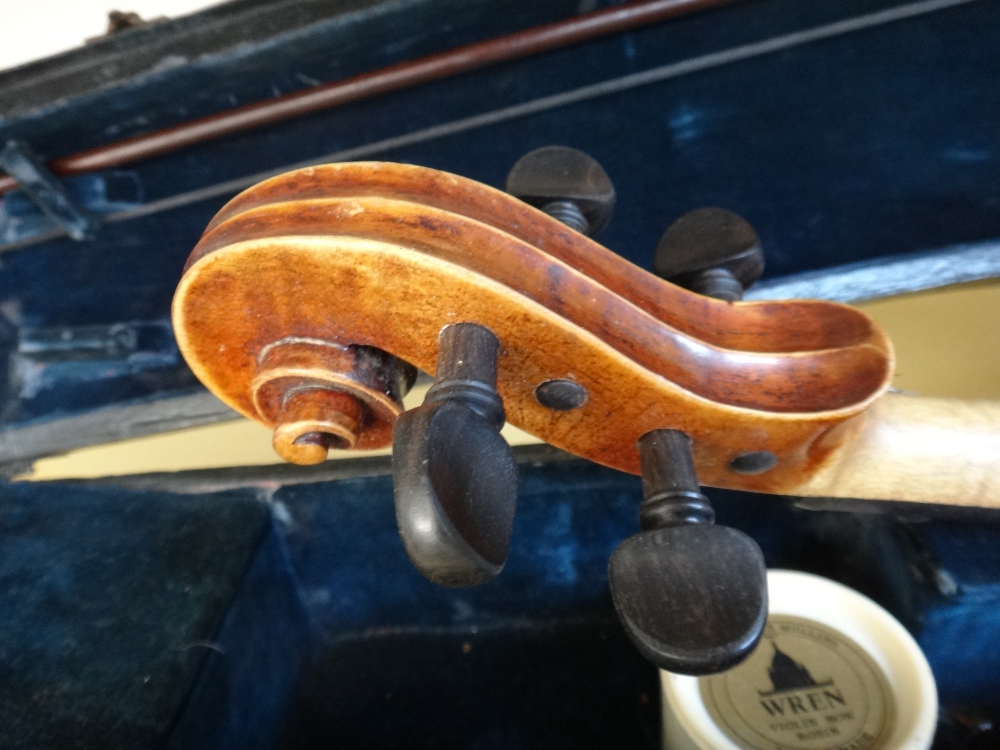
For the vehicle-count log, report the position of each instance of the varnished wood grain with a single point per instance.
(387, 255)
(784, 381)
(238, 298)
(754, 327)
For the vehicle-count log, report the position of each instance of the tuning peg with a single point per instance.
(567, 184)
(691, 595)
(454, 476)
(712, 251)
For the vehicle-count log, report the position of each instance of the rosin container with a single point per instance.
(833, 671)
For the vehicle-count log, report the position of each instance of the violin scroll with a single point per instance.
(313, 296)
(320, 395)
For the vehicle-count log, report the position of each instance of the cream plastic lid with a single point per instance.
(833, 671)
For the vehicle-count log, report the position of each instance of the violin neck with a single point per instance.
(915, 449)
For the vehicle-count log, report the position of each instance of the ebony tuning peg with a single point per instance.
(712, 251)
(691, 595)
(567, 184)
(454, 476)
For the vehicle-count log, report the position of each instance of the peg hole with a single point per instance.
(561, 395)
(325, 440)
(755, 462)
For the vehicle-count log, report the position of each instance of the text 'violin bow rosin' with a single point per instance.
(312, 297)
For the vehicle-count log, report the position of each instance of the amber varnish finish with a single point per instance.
(385, 255)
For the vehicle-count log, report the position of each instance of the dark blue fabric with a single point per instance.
(245, 687)
(960, 628)
(109, 604)
(131, 619)
(867, 144)
(536, 658)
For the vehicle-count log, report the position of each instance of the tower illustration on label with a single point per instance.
(817, 690)
(787, 674)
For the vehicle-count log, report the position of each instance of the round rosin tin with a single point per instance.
(833, 671)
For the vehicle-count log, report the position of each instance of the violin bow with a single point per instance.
(312, 296)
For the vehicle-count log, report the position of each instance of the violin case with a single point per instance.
(274, 606)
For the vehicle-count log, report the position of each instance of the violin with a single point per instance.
(314, 297)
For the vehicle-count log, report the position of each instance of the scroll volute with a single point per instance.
(309, 292)
(320, 395)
